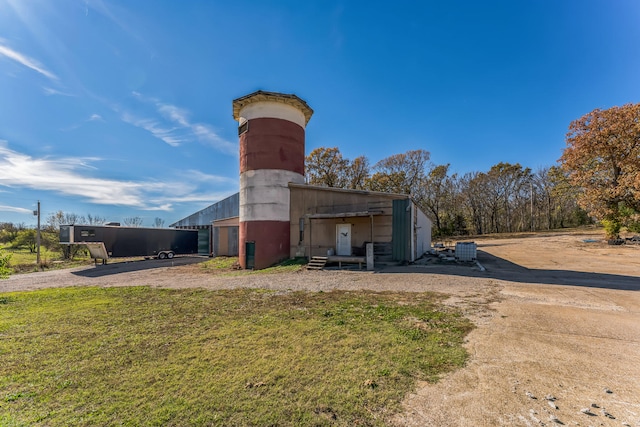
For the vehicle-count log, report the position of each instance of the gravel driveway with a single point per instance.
(558, 336)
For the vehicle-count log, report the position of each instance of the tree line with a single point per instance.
(597, 179)
(506, 198)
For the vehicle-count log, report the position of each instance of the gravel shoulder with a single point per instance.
(556, 317)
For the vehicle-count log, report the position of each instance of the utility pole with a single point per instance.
(37, 213)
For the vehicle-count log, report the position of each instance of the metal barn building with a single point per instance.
(276, 216)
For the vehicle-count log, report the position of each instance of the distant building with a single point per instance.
(276, 216)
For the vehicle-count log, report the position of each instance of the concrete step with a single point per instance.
(317, 263)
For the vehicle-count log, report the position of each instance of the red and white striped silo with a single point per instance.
(272, 135)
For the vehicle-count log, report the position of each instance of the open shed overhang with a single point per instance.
(339, 215)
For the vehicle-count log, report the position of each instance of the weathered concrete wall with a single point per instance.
(264, 194)
(259, 110)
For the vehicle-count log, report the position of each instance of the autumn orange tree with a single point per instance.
(602, 157)
(328, 168)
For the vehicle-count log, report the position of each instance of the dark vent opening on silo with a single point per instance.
(243, 128)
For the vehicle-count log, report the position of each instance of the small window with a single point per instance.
(87, 233)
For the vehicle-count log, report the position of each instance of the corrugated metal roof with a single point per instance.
(225, 208)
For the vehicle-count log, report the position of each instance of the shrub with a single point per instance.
(612, 228)
(5, 270)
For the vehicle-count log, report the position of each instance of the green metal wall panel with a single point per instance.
(401, 230)
(203, 241)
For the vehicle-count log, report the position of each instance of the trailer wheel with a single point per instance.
(170, 255)
(162, 255)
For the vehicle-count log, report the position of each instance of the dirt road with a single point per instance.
(558, 336)
(563, 345)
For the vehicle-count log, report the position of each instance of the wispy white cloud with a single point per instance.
(175, 114)
(91, 118)
(26, 61)
(50, 91)
(165, 207)
(71, 177)
(4, 208)
(196, 175)
(173, 126)
(168, 135)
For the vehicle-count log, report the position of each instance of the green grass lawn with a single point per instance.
(24, 261)
(144, 357)
(24, 256)
(229, 266)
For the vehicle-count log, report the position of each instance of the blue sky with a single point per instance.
(123, 108)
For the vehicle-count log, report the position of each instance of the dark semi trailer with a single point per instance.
(110, 241)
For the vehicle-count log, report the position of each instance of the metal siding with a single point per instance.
(138, 241)
(216, 241)
(203, 241)
(226, 208)
(401, 230)
(233, 241)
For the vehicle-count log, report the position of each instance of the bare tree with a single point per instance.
(473, 189)
(132, 221)
(357, 173)
(55, 220)
(95, 219)
(158, 222)
(437, 198)
(507, 198)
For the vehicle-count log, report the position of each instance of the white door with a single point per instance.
(343, 239)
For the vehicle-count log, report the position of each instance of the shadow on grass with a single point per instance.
(139, 265)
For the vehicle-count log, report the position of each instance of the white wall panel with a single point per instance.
(264, 194)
